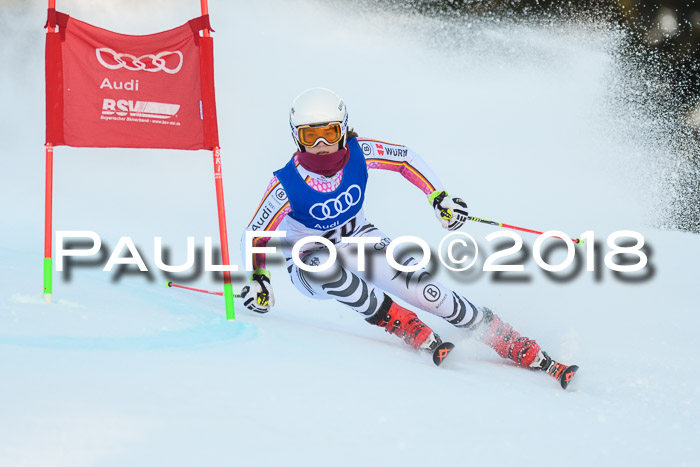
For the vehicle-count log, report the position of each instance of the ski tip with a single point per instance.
(568, 375)
(441, 352)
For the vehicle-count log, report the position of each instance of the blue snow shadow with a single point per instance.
(216, 332)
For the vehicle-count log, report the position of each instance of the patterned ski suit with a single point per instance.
(304, 204)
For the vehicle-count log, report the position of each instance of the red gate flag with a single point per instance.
(105, 89)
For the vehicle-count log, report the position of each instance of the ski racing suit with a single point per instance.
(307, 204)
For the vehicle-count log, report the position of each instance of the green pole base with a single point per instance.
(228, 298)
(48, 276)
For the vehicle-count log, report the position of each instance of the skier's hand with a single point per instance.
(451, 212)
(258, 295)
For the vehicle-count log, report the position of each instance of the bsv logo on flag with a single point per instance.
(336, 206)
(144, 109)
(162, 61)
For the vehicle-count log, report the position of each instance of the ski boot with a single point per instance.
(405, 324)
(527, 353)
(506, 341)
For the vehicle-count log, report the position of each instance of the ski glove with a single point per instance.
(258, 295)
(451, 212)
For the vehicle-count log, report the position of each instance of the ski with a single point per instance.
(562, 373)
(441, 352)
(567, 375)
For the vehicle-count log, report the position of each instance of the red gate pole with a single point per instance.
(48, 227)
(48, 206)
(216, 152)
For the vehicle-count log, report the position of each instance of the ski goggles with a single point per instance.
(310, 135)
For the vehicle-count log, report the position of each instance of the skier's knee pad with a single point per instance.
(337, 283)
(320, 278)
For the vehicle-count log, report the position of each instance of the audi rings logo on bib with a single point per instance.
(167, 61)
(336, 206)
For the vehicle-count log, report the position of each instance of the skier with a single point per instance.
(320, 192)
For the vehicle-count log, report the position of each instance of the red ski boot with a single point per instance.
(404, 323)
(506, 341)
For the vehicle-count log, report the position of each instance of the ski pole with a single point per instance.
(212, 292)
(577, 241)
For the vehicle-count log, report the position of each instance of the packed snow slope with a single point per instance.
(528, 123)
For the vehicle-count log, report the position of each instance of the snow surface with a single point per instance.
(522, 121)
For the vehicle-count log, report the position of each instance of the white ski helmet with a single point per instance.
(314, 109)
